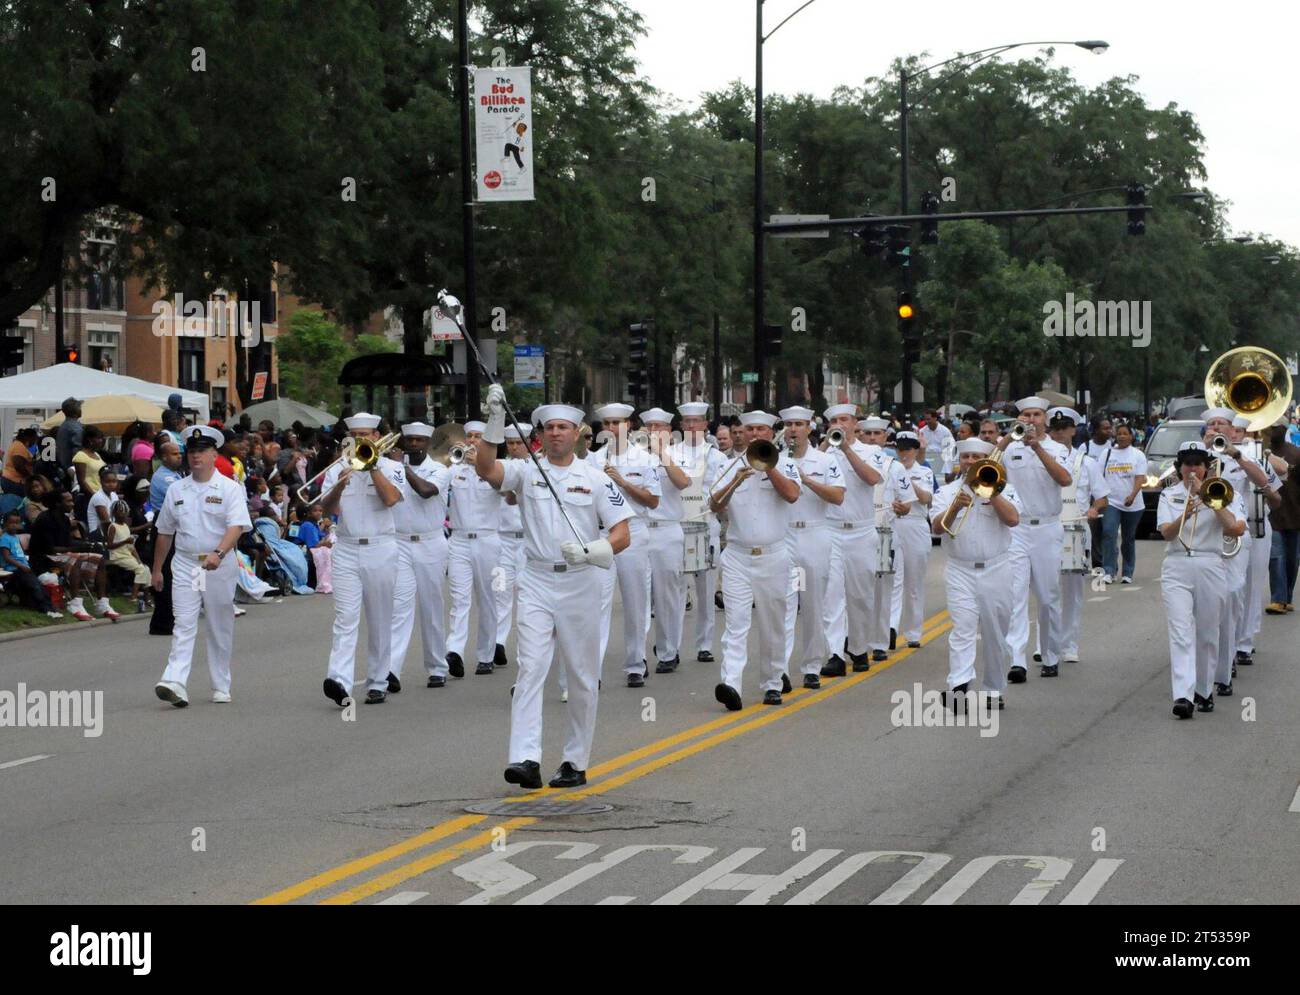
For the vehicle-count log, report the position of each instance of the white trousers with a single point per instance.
(1036, 566)
(213, 591)
(850, 589)
(555, 619)
(979, 600)
(363, 579)
(805, 628)
(1195, 593)
(756, 590)
(705, 585)
(419, 592)
(512, 561)
(1234, 609)
(472, 565)
(667, 556)
(632, 567)
(911, 557)
(1257, 588)
(881, 602)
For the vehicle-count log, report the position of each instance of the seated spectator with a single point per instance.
(122, 553)
(99, 514)
(58, 543)
(257, 493)
(14, 560)
(18, 463)
(139, 454)
(32, 507)
(136, 496)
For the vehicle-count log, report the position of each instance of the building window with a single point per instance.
(102, 346)
(219, 403)
(191, 361)
(29, 349)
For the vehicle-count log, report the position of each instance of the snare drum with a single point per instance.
(1074, 551)
(698, 552)
(884, 550)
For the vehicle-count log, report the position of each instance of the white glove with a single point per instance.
(599, 553)
(495, 430)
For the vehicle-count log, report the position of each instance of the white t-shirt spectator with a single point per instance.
(98, 500)
(1121, 467)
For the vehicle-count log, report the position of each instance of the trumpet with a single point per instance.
(347, 450)
(1017, 431)
(986, 479)
(457, 453)
(835, 438)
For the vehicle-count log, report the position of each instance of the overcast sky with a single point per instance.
(1232, 66)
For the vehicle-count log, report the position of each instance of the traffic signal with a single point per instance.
(772, 335)
(11, 351)
(929, 229)
(907, 329)
(638, 357)
(906, 310)
(900, 246)
(1137, 197)
(70, 354)
(874, 242)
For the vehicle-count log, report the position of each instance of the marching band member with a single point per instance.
(704, 463)
(362, 566)
(874, 432)
(1038, 468)
(978, 574)
(756, 564)
(609, 579)
(511, 534)
(1262, 501)
(474, 553)
(558, 586)
(1194, 578)
(668, 583)
(911, 488)
(851, 585)
(1083, 502)
(204, 514)
(635, 472)
(419, 590)
(810, 545)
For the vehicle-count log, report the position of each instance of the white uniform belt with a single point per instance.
(202, 554)
(363, 540)
(1041, 519)
(655, 523)
(421, 537)
(807, 525)
(1195, 552)
(480, 534)
(852, 525)
(756, 550)
(512, 534)
(547, 566)
(992, 561)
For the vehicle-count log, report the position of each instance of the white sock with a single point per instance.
(76, 606)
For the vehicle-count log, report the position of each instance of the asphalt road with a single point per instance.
(1090, 791)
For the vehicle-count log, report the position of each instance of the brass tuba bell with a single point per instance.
(1252, 382)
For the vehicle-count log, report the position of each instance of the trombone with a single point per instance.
(986, 479)
(346, 452)
(1215, 493)
(760, 454)
(362, 455)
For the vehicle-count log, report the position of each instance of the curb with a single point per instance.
(49, 630)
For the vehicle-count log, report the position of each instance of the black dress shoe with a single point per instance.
(1048, 670)
(717, 600)
(989, 699)
(812, 682)
(1223, 690)
(729, 696)
(786, 686)
(485, 668)
(861, 662)
(455, 665)
(958, 696)
(914, 644)
(394, 685)
(834, 667)
(1183, 708)
(376, 697)
(1204, 704)
(1246, 659)
(436, 682)
(635, 681)
(568, 776)
(879, 655)
(1234, 669)
(704, 656)
(1017, 675)
(668, 666)
(893, 639)
(335, 692)
(526, 774)
(1038, 658)
(499, 657)
(772, 698)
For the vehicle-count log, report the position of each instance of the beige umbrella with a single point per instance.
(112, 413)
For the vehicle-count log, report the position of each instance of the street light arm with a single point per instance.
(782, 24)
(983, 54)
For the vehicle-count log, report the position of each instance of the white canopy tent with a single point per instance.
(30, 398)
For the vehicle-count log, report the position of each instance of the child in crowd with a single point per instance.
(122, 552)
(14, 560)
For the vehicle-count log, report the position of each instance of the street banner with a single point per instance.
(530, 365)
(503, 129)
(259, 386)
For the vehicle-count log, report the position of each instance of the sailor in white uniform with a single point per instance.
(666, 543)
(874, 435)
(756, 574)
(1038, 469)
(204, 515)
(559, 584)
(810, 545)
(1194, 578)
(511, 534)
(474, 556)
(636, 474)
(365, 548)
(1259, 502)
(851, 584)
(420, 588)
(977, 575)
(703, 464)
(910, 492)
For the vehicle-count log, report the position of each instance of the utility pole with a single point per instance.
(469, 302)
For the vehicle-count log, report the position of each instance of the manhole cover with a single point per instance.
(576, 807)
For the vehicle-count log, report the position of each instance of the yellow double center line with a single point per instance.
(715, 733)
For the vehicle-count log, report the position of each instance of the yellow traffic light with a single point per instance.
(905, 311)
